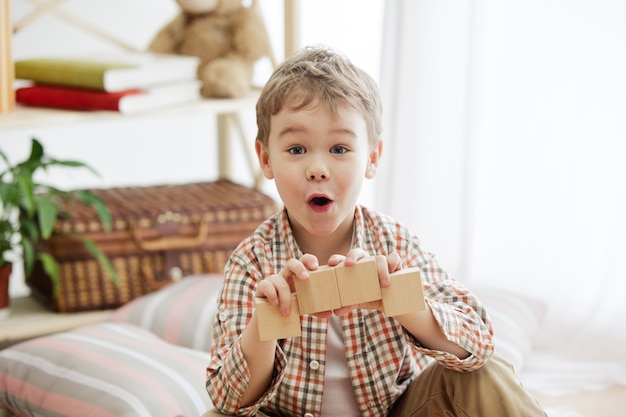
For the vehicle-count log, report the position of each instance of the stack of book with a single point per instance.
(123, 82)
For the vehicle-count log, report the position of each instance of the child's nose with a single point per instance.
(317, 172)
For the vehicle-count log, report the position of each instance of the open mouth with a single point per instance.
(319, 202)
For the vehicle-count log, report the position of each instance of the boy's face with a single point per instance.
(318, 160)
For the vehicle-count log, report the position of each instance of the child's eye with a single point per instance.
(339, 149)
(296, 150)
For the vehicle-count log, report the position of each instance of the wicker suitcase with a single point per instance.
(160, 234)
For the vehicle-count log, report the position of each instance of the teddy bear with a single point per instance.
(227, 36)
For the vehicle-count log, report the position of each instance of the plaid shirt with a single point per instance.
(383, 358)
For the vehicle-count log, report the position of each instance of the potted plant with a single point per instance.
(28, 212)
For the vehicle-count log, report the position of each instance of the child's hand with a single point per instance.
(385, 264)
(277, 288)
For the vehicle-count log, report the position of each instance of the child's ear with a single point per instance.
(264, 160)
(374, 160)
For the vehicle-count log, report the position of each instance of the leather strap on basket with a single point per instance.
(171, 274)
(171, 242)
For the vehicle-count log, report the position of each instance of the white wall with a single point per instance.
(142, 150)
(510, 143)
(425, 81)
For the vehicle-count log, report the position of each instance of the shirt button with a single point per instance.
(223, 316)
(315, 365)
(308, 415)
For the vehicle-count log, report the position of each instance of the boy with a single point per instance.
(319, 127)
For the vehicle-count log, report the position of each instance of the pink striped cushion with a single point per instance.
(180, 313)
(104, 370)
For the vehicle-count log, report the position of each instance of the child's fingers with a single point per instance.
(342, 311)
(324, 314)
(335, 259)
(277, 291)
(371, 305)
(272, 286)
(353, 256)
(276, 287)
(266, 289)
(295, 269)
(394, 262)
(383, 270)
(310, 262)
(284, 298)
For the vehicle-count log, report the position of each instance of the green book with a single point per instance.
(113, 72)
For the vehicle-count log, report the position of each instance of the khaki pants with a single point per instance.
(490, 391)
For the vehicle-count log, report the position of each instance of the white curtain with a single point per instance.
(506, 151)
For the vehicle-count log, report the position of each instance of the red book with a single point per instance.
(127, 101)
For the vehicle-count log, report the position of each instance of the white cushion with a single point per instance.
(516, 321)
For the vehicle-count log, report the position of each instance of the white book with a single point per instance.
(109, 71)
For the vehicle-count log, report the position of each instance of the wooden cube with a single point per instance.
(405, 294)
(319, 292)
(358, 283)
(273, 325)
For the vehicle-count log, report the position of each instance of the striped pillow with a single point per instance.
(103, 370)
(516, 318)
(181, 313)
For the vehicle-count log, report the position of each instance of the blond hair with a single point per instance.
(319, 76)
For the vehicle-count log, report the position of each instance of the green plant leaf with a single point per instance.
(36, 152)
(29, 209)
(51, 267)
(8, 197)
(28, 255)
(7, 231)
(104, 261)
(6, 161)
(29, 229)
(98, 205)
(72, 164)
(26, 192)
(46, 214)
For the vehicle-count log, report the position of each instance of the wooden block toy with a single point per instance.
(273, 325)
(358, 283)
(319, 292)
(329, 288)
(404, 294)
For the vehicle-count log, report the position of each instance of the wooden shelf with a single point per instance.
(227, 112)
(24, 117)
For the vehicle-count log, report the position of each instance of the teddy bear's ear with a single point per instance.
(252, 39)
(169, 37)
